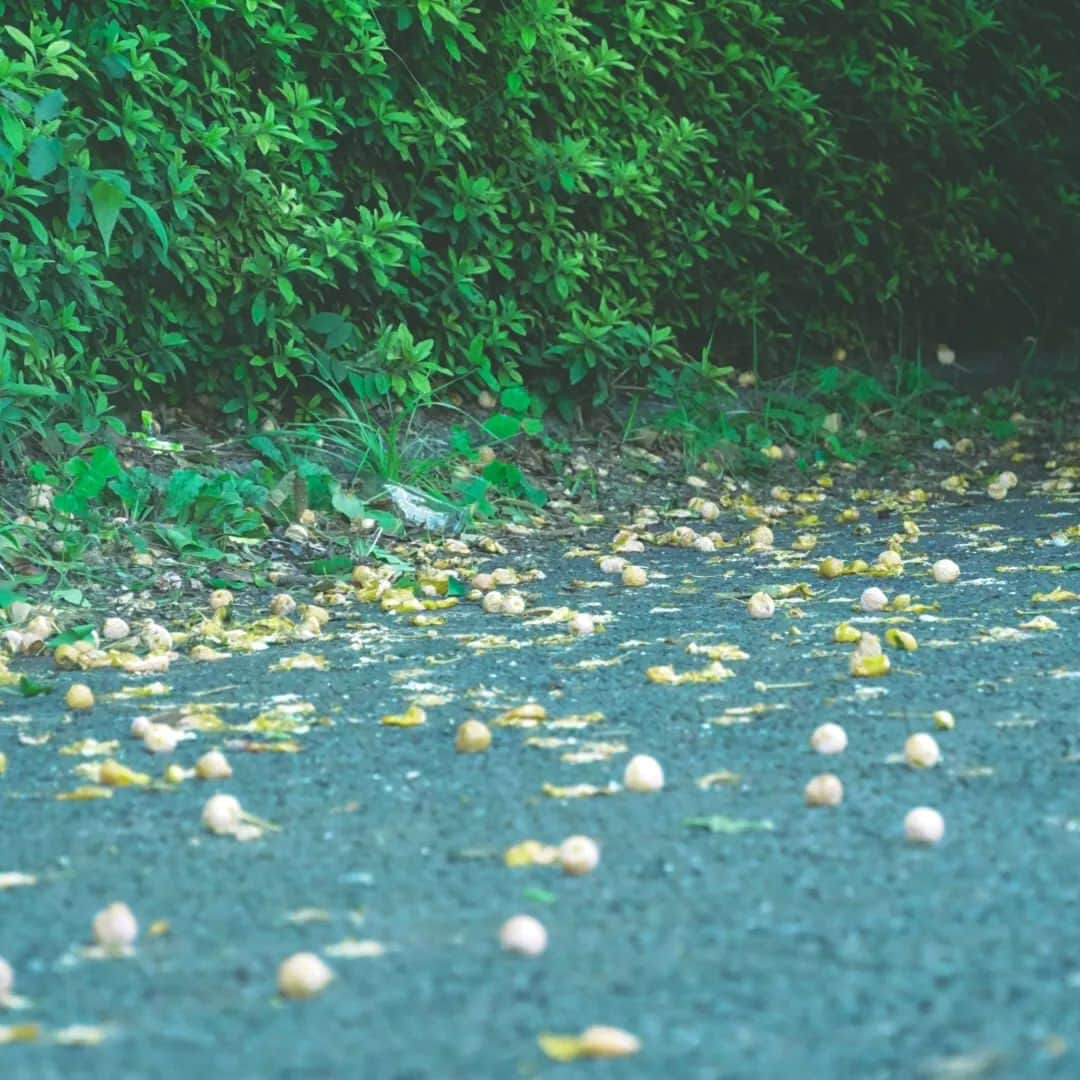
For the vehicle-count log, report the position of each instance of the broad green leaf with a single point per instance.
(43, 157)
(106, 200)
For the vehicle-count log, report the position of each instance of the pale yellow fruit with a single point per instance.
(944, 720)
(581, 622)
(578, 855)
(761, 606)
(761, 537)
(612, 564)
(829, 739)
(708, 510)
(473, 737)
(115, 628)
(945, 356)
(115, 927)
(523, 934)
(494, 602)
(830, 567)
(1007, 480)
(303, 975)
(824, 790)
(140, 726)
(161, 739)
(945, 571)
(282, 605)
(873, 599)
(483, 581)
(513, 604)
(921, 751)
(634, 576)
(157, 638)
(924, 825)
(213, 765)
(643, 773)
(79, 696)
(222, 814)
(220, 598)
(602, 1041)
(890, 560)
(65, 657)
(997, 491)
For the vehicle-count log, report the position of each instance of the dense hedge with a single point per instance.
(226, 196)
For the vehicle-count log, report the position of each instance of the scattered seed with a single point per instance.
(924, 825)
(523, 934)
(829, 739)
(578, 855)
(79, 696)
(303, 975)
(473, 737)
(643, 773)
(921, 751)
(824, 790)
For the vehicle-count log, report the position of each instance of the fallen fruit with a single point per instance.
(643, 773)
(945, 571)
(213, 765)
(924, 825)
(115, 927)
(602, 1041)
(761, 606)
(79, 696)
(634, 576)
(578, 855)
(824, 790)
(523, 934)
(921, 751)
(829, 739)
(873, 599)
(222, 814)
(944, 720)
(303, 975)
(473, 737)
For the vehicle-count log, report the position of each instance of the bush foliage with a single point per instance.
(238, 198)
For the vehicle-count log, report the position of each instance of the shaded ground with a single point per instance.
(790, 941)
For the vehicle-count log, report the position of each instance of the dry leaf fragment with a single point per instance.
(528, 715)
(301, 661)
(13, 879)
(531, 853)
(714, 779)
(1057, 595)
(413, 716)
(87, 791)
(19, 1033)
(580, 791)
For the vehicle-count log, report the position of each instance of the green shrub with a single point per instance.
(239, 198)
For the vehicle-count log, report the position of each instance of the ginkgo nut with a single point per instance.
(761, 606)
(213, 765)
(473, 737)
(643, 773)
(945, 571)
(222, 814)
(924, 825)
(79, 696)
(523, 934)
(921, 751)
(829, 739)
(303, 975)
(115, 927)
(578, 855)
(824, 790)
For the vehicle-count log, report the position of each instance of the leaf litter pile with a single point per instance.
(742, 781)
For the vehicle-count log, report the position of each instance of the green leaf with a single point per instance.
(154, 222)
(258, 308)
(50, 106)
(502, 426)
(29, 688)
(43, 157)
(106, 200)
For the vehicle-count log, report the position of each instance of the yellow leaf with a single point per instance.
(528, 715)
(1055, 596)
(714, 778)
(88, 791)
(865, 667)
(901, 639)
(116, 775)
(413, 716)
(531, 853)
(579, 791)
(560, 1047)
(846, 633)
(19, 1033)
(301, 661)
